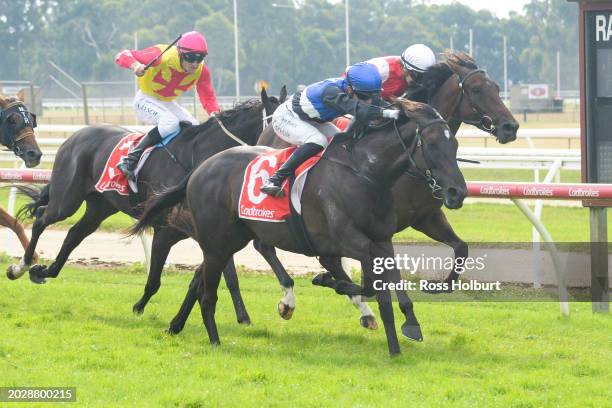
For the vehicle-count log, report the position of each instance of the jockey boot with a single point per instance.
(304, 152)
(129, 162)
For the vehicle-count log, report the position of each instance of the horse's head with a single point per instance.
(433, 153)
(17, 131)
(270, 103)
(470, 96)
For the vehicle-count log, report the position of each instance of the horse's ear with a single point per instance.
(3, 101)
(264, 96)
(283, 94)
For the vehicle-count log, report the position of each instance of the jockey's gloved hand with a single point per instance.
(391, 114)
(138, 68)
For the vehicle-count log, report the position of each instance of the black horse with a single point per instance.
(347, 206)
(81, 159)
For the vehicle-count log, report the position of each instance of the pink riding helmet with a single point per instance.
(192, 42)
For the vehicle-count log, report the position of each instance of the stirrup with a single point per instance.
(272, 189)
(124, 168)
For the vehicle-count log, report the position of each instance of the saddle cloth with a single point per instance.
(111, 178)
(255, 205)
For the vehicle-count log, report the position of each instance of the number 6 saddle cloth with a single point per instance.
(255, 205)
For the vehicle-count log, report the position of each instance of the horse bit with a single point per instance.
(485, 122)
(414, 169)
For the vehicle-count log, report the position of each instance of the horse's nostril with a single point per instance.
(33, 155)
(510, 127)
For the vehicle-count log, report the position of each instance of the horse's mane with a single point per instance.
(5, 100)
(228, 117)
(416, 111)
(435, 76)
(457, 59)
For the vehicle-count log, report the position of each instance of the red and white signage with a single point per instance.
(537, 91)
(558, 191)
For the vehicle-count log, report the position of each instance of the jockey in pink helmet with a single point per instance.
(179, 69)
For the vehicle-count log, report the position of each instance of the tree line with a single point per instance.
(298, 43)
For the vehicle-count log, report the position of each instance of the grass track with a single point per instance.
(79, 331)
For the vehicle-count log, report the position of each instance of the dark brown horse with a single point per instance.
(80, 161)
(17, 133)
(347, 206)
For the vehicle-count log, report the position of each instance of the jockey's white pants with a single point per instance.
(289, 127)
(165, 115)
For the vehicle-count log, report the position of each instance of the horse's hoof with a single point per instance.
(37, 280)
(368, 322)
(10, 271)
(285, 311)
(137, 309)
(36, 274)
(413, 332)
(173, 331)
(324, 279)
(245, 322)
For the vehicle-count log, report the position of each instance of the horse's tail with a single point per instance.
(39, 197)
(158, 203)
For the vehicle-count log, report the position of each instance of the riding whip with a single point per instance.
(163, 52)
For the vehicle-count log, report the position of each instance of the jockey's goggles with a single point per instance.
(416, 76)
(192, 57)
(364, 96)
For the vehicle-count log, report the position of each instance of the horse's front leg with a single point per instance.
(341, 282)
(7, 220)
(356, 245)
(286, 306)
(436, 226)
(164, 238)
(411, 327)
(16, 271)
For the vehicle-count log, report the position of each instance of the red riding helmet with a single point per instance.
(192, 42)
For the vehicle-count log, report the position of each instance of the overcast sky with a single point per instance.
(499, 8)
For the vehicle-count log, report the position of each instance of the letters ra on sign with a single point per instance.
(603, 27)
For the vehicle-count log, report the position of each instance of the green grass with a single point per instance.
(505, 223)
(79, 331)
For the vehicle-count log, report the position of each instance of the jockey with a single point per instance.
(398, 73)
(175, 72)
(304, 119)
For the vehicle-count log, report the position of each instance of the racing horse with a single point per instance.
(80, 162)
(462, 93)
(347, 206)
(17, 134)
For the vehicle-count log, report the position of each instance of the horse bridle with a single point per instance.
(413, 169)
(10, 137)
(486, 122)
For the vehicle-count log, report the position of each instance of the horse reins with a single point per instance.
(414, 169)
(486, 122)
(228, 133)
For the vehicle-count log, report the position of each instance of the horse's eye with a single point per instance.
(13, 119)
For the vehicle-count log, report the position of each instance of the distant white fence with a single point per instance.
(490, 157)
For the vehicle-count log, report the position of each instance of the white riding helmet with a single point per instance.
(418, 57)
